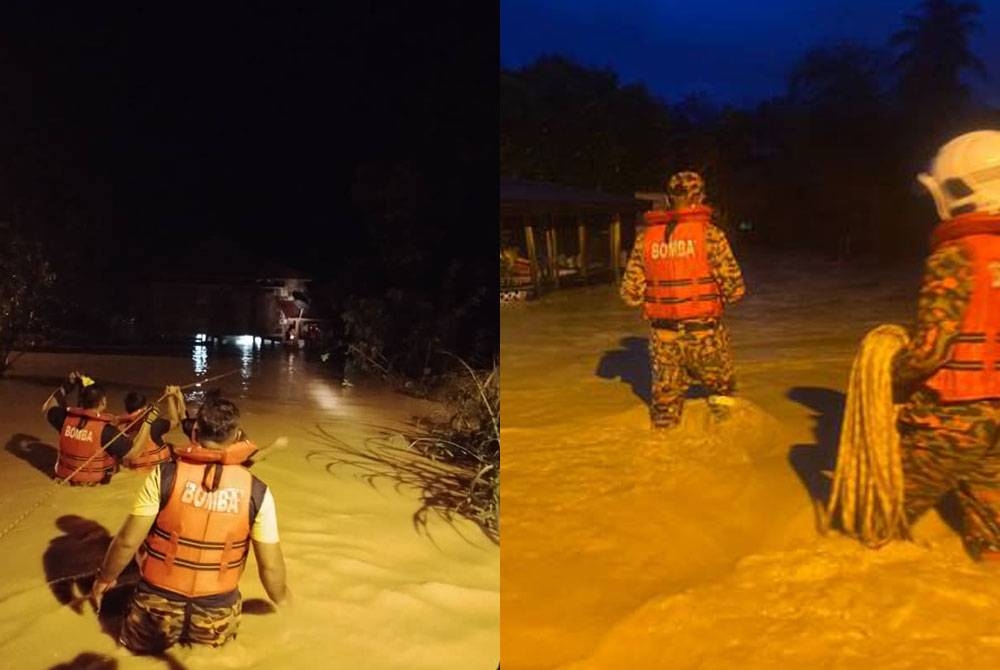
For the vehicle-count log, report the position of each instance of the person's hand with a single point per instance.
(97, 592)
(152, 413)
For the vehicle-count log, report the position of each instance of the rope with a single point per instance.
(867, 494)
(59, 482)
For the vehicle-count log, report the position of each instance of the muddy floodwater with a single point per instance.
(626, 548)
(371, 588)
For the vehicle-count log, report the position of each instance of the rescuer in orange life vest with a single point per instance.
(949, 372)
(149, 447)
(682, 273)
(83, 431)
(192, 525)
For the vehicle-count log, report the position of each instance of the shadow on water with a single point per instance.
(71, 559)
(30, 449)
(258, 606)
(630, 363)
(815, 463)
(89, 660)
(70, 562)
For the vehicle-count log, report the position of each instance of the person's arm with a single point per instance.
(633, 286)
(725, 270)
(120, 553)
(143, 436)
(145, 507)
(271, 569)
(944, 296)
(58, 397)
(115, 442)
(266, 547)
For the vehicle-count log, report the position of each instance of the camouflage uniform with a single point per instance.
(680, 357)
(953, 447)
(156, 622)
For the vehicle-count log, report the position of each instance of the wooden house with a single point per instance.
(553, 236)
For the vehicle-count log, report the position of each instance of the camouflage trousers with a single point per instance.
(954, 449)
(154, 623)
(681, 358)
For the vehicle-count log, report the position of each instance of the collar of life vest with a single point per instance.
(91, 414)
(234, 454)
(973, 223)
(661, 217)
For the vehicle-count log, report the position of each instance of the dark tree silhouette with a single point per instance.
(567, 123)
(24, 281)
(934, 53)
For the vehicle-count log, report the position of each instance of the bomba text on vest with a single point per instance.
(81, 434)
(223, 500)
(672, 249)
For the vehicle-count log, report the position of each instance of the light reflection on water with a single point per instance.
(259, 369)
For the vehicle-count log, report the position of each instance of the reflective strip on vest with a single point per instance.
(677, 269)
(198, 545)
(79, 440)
(970, 373)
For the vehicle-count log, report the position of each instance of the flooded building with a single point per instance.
(244, 294)
(553, 236)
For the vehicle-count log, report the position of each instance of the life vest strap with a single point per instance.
(191, 565)
(198, 544)
(964, 365)
(666, 301)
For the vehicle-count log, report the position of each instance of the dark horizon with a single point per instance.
(729, 52)
(253, 124)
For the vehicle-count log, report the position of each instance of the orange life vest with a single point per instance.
(679, 281)
(79, 439)
(152, 454)
(199, 542)
(972, 371)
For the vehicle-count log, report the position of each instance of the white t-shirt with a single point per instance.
(265, 525)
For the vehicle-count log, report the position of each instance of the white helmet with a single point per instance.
(965, 175)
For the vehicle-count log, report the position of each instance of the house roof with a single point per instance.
(522, 196)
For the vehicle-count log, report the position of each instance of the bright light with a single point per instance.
(244, 340)
(257, 341)
(201, 337)
(200, 358)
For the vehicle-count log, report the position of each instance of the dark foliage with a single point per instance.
(829, 165)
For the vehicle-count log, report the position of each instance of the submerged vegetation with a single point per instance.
(453, 460)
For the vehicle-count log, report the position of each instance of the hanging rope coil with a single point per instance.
(866, 501)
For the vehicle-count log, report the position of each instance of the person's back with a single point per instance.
(150, 447)
(89, 443)
(196, 519)
(950, 370)
(682, 273)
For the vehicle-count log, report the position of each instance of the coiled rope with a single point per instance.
(867, 495)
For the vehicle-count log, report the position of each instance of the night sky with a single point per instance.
(246, 119)
(732, 51)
